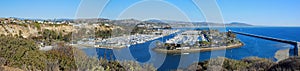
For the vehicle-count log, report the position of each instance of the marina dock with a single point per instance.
(128, 40)
(187, 37)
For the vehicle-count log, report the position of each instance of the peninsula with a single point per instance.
(199, 41)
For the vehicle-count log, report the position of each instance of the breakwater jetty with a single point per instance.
(294, 43)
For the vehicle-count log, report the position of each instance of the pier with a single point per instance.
(294, 43)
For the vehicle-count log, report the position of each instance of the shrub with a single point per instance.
(19, 52)
(37, 25)
(228, 64)
(2, 61)
(23, 53)
(258, 63)
(290, 64)
(196, 67)
(234, 64)
(64, 57)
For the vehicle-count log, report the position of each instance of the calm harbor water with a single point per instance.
(253, 47)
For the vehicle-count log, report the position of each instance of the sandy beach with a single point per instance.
(282, 54)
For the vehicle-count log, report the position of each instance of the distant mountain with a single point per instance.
(166, 21)
(63, 19)
(195, 24)
(126, 22)
(233, 24)
(238, 24)
(91, 20)
(155, 21)
(133, 22)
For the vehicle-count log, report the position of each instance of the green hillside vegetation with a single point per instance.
(247, 64)
(49, 36)
(103, 34)
(23, 54)
(19, 52)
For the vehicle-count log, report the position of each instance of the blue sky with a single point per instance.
(256, 12)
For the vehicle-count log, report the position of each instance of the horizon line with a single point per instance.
(152, 19)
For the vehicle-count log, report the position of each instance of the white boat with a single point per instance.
(140, 42)
(185, 53)
(128, 45)
(96, 45)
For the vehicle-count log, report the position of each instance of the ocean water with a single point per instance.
(289, 33)
(253, 47)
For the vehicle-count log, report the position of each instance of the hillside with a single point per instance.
(32, 30)
(25, 28)
(238, 24)
(197, 24)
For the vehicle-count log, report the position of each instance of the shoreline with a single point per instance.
(282, 54)
(111, 47)
(193, 50)
(95, 46)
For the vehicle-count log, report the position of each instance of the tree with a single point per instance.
(37, 25)
(20, 34)
(231, 35)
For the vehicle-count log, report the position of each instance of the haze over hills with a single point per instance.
(238, 24)
(233, 24)
(133, 22)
